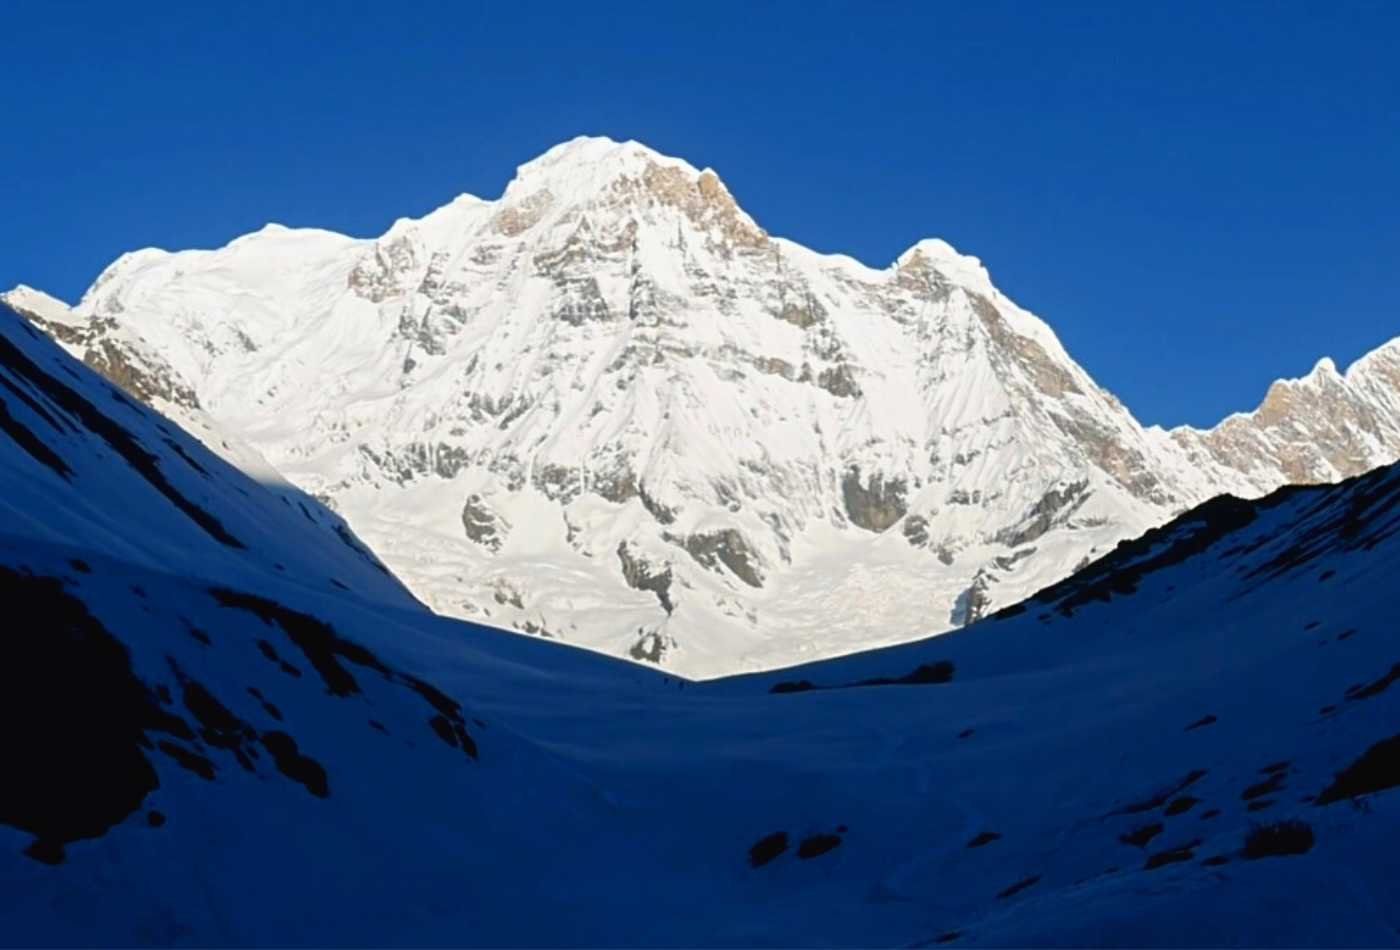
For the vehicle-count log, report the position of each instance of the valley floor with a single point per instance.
(1090, 772)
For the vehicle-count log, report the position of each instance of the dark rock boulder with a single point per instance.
(874, 504)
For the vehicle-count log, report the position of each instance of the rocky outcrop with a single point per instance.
(652, 646)
(1048, 375)
(729, 548)
(1320, 428)
(107, 347)
(979, 599)
(874, 503)
(1054, 509)
(139, 372)
(387, 270)
(974, 603)
(641, 573)
(803, 312)
(703, 199)
(840, 381)
(916, 531)
(515, 219)
(482, 525)
(507, 594)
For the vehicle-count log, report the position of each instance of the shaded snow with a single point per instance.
(1241, 655)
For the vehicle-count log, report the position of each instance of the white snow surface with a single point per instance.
(609, 409)
(381, 776)
(86, 466)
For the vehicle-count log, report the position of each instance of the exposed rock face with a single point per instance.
(977, 601)
(651, 647)
(684, 423)
(1043, 372)
(642, 574)
(876, 505)
(1054, 508)
(379, 275)
(483, 525)
(974, 603)
(514, 220)
(108, 347)
(507, 594)
(703, 199)
(729, 548)
(1322, 428)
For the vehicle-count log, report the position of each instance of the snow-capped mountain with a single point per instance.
(1322, 428)
(1191, 742)
(609, 408)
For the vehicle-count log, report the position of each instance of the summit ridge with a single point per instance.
(610, 408)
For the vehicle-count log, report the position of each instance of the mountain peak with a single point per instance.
(586, 163)
(936, 254)
(594, 172)
(1324, 367)
(35, 303)
(613, 370)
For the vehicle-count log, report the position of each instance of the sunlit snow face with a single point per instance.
(614, 357)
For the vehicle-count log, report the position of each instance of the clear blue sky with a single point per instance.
(1198, 197)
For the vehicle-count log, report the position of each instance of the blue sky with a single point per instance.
(1198, 197)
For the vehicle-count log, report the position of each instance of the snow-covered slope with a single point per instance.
(202, 751)
(84, 465)
(609, 408)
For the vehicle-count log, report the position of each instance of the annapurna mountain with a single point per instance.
(610, 408)
(225, 725)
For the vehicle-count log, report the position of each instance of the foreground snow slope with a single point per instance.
(609, 408)
(200, 753)
(85, 465)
